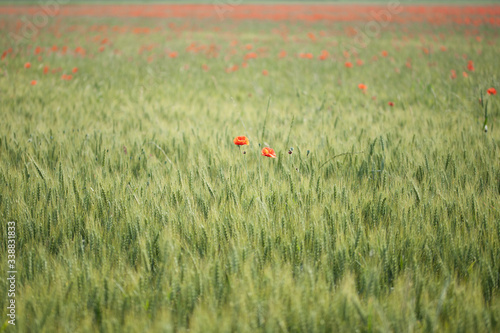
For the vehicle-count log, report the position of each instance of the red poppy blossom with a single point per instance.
(241, 141)
(251, 55)
(75, 70)
(324, 55)
(45, 69)
(362, 86)
(33, 83)
(265, 72)
(465, 74)
(492, 91)
(27, 65)
(384, 53)
(470, 66)
(348, 64)
(391, 104)
(269, 152)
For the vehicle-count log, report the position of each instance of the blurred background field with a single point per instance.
(135, 211)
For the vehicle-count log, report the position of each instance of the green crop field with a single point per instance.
(134, 210)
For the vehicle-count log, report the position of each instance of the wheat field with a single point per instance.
(135, 211)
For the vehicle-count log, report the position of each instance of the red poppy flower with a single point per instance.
(470, 66)
(492, 91)
(282, 54)
(251, 55)
(27, 65)
(45, 69)
(33, 83)
(265, 72)
(359, 62)
(391, 103)
(241, 141)
(75, 70)
(465, 74)
(173, 55)
(362, 86)
(384, 53)
(348, 64)
(269, 152)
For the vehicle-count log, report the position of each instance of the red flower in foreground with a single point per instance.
(362, 86)
(33, 83)
(492, 91)
(269, 152)
(241, 141)
(27, 65)
(391, 104)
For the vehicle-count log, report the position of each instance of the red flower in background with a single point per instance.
(241, 141)
(391, 104)
(492, 91)
(33, 83)
(75, 70)
(269, 152)
(470, 66)
(362, 86)
(348, 64)
(27, 65)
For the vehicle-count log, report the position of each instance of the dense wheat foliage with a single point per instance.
(136, 212)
